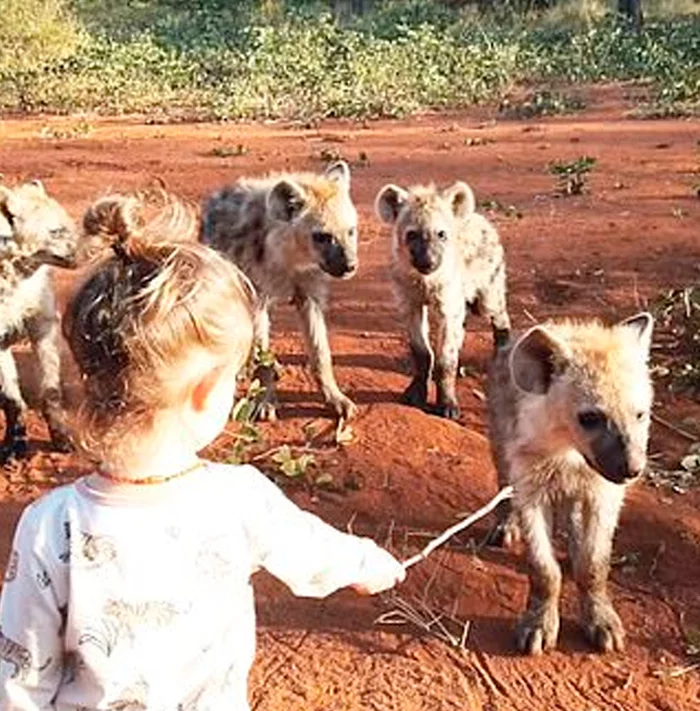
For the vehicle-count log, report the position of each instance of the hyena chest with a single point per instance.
(20, 301)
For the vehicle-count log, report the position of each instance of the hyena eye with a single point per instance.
(322, 238)
(442, 235)
(591, 419)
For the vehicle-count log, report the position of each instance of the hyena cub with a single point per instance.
(446, 258)
(289, 233)
(569, 407)
(35, 232)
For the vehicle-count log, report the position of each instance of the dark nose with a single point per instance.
(337, 263)
(420, 257)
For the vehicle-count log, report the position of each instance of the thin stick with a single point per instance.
(502, 495)
(529, 316)
(674, 428)
(675, 672)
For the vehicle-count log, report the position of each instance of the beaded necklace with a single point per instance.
(149, 479)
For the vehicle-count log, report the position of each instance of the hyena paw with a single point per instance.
(501, 338)
(415, 395)
(61, 442)
(343, 406)
(448, 410)
(60, 437)
(537, 630)
(16, 448)
(266, 411)
(264, 405)
(505, 534)
(603, 626)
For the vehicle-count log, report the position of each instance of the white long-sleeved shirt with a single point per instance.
(141, 599)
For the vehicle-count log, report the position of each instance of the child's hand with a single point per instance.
(381, 571)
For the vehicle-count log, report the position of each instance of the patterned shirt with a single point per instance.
(140, 598)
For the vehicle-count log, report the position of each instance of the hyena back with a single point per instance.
(35, 232)
(446, 259)
(569, 409)
(289, 233)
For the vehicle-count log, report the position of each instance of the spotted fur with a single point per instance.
(289, 233)
(35, 232)
(569, 410)
(446, 259)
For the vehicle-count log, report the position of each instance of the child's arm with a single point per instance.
(31, 645)
(311, 557)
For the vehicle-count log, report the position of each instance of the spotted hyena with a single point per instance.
(35, 232)
(289, 233)
(569, 406)
(446, 259)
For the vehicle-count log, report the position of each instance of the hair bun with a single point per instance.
(127, 223)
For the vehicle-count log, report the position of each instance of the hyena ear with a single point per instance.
(536, 359)
(339, 172)
(10, 204)
(390, 200)
(461, 198)
(38, 186)
(286, 201)
(642, 325)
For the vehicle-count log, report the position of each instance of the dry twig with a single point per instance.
(674, 428)
(503, 494)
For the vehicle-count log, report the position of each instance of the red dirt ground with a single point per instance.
(407, 475)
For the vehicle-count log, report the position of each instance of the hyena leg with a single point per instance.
(538, 628)
(316, 336)
(449, 338)
(494, 306)
(266, 406)
(416, 394)
(43, 333)
(14, 407)
(505, 533)
(593, 527)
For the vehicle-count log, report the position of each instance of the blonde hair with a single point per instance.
(142, 311)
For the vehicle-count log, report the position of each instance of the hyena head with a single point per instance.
(427, 221)
(39, 228)
(321, 215)
(596, 387)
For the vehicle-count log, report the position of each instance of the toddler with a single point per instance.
(129, 589)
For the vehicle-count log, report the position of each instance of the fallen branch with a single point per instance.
(502, 495)
(674, 428)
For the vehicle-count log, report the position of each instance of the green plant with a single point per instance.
(541, 103)
(492, 205)
(55, 133)
(293, 59)
(677, 313)
(571, 176)
(228, 151)
(290, 464)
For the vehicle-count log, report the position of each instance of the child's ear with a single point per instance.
(203, 388)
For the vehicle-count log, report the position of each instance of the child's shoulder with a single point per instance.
(243, 478)
(241, 486)
(51, 502)
(44, 517)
